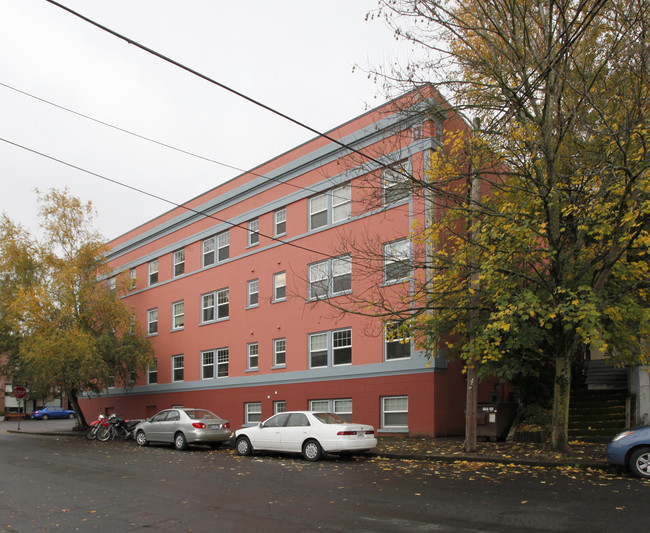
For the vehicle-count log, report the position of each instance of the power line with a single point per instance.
(219, 84)
(161, 198)
(160, 143)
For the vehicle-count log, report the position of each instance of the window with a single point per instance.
(253, 355)
(253, 232)
(112, 283)
(253, 413)
(398, 341)
(133, 278)
(342, 407)
(397, 264)
(152, 321)
(222, 363)
(280, 218)
(223, 246)
(152, 372)
(394, 412)
(342, 347)
(279, 352)
(396, 183)
(318, 211)
(331, 277)
(279, 407)
(177, 367)
(253, 293)
(330, 207)
(179, 263)
(207, 365)
(216, 249)
(341, 203)
(330, 348)
(215, 306)
(153, 272)
(178, 315)
(279, 286)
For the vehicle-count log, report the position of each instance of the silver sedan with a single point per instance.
(183, 426)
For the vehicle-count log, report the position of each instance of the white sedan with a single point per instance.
(308, 433)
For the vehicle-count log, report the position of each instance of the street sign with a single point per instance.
(19, 392)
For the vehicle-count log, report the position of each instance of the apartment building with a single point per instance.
(239, 287)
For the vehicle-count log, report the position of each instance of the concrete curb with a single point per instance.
(598, 465)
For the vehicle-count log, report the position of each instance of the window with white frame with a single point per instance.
(215, 306)
(253, 293)
(153, 272)
(280, 220)
(394, 412)
(152, 321)
(330, 207)
(253, 412)
(330, 277)
(340, 406)
(342, 347)
(396, 185)
(330, 348)
(279, 286)
(207, 364)
(279, 406)
(112, 283)
(318, 211)
(178, 315)
(253, 356)
(341, 203)
(223, 246)
(179, 263)
(178, 362)
(253, 232)
(279, 352)
(152, 372)
(398, 341)
(222, 363)
(216, 248)
(133, 278)
(397, 261)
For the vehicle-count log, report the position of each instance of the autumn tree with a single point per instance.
(559, 253)
(65, 329)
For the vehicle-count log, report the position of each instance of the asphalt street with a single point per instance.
(51, 483)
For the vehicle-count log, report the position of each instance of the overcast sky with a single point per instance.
(296, 56)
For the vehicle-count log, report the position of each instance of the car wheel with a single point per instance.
(71, 415)
(45, 417)
(180, 442)
(215, 445)
(640, 462)
(141, 438)
(244, 446)
(312, 451)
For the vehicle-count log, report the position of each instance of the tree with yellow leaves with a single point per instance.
(63, 328)
(557, 243)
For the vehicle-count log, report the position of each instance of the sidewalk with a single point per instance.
(448, 449)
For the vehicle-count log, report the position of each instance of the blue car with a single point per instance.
(52, 412)
(631, 449)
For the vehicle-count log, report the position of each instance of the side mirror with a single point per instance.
(260, 425)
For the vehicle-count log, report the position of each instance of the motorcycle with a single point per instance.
(117, 427)
(95, 426)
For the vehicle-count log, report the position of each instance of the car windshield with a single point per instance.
(200, 414)
(330, 418)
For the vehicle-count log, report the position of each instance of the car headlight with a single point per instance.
(621, 435)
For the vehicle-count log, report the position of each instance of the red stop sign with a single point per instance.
(19, 392)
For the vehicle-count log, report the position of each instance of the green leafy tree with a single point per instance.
(553, 255)
(64, 329)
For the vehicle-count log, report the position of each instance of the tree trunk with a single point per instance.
(471, 403)
(561, 397)
(81, 420)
